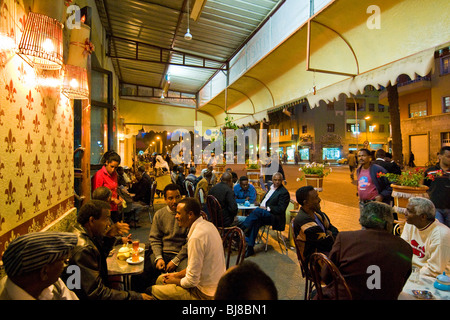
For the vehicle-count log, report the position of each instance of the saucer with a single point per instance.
(130, 260)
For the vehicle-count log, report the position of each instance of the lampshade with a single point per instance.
(41, 44)
(75, 84)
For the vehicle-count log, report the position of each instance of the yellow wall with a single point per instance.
(36, 146)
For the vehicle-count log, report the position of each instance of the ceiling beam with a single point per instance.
(197, 9)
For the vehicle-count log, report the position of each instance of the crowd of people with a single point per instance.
(185, 256)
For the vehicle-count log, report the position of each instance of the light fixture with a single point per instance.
(188, 35)
(41, 44)
(75, 84)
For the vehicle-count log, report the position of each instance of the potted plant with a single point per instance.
(314, 173)
(406, 185)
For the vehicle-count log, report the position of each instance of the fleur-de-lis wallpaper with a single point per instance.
(36, 148)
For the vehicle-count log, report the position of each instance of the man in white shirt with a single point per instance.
(33, 264)
(206, 259)
(429, 239)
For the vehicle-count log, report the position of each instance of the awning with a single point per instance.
(421, 63)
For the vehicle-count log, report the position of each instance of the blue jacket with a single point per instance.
(381, 183)
(241, 195)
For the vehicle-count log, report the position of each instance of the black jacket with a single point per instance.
(278, 204)
(225, 195)
(141, 189)
(90, 256)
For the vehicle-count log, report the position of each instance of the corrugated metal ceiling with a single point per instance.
(147, 36)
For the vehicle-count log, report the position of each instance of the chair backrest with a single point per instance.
(234, 238)
(215, 211)
(204, 215)
(300, 248)
(189, 188)
(152, 192)
(320, 265)
(201, 196)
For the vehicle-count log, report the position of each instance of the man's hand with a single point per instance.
(147, 297)
(171, 266)
(160, 264)
(172, 278)
(118, 229)
(379, 198)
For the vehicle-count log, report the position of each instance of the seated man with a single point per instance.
(141, 188)
(223, 192)
(168, 243)
(96, 238)
(272, 211)
(311, 225)
(204, 183)
(429, 239)
(356, 253)
(33, 264)
(244, 191)
(205, 265)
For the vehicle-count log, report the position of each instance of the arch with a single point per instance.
(308, 51)
(253, 105)
(268, 89)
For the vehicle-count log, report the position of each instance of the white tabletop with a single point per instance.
(426, 283)
(242, 207)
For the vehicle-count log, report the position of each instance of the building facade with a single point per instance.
(424, 104)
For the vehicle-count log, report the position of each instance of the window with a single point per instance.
(445, 138)
(330, 106)
(446, 104)
(349, 127)
(304, 108)
(292, 131)
(330, 127)
(445, 65)
(381, 128)
(371, 106)
(287, 132)
(304, 129)
(380, 108)
(102, 135)
(418, 109)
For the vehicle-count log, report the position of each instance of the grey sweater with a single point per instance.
(166, 236)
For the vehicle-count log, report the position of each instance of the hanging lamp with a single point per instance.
(41, 44)
(188, 35)
(75, 84)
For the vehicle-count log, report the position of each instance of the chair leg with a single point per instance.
(279, 235)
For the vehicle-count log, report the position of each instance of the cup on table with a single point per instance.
(415, 274)
(135, 253)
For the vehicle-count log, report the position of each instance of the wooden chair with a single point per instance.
(234, 239)
(189, 188)
(214, 209)
(299, 249)
(215, 214)
(204, 215)
(318, 262)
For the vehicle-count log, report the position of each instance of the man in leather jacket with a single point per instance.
(96, 238)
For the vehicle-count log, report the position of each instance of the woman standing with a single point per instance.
(107, 176)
